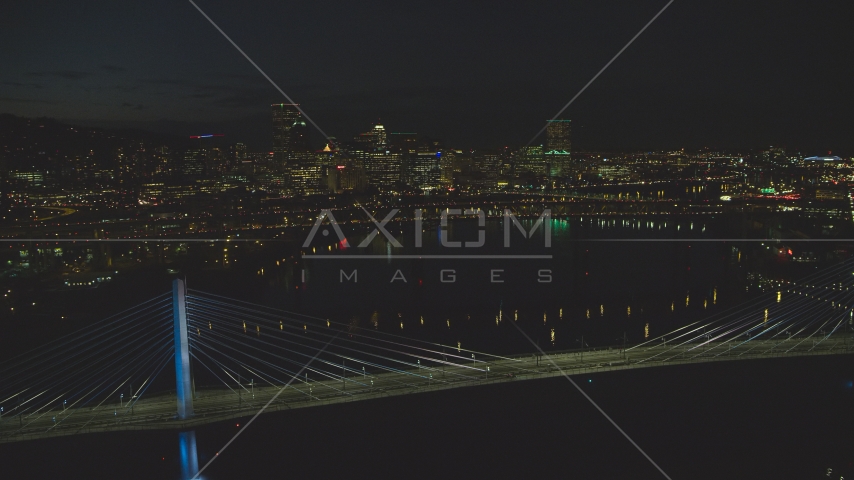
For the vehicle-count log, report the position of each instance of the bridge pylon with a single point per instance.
(183, 382)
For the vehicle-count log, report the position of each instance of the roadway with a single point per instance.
(217, 404)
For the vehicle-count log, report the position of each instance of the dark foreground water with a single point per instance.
(759, 419)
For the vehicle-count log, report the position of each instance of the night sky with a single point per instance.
(722, 74)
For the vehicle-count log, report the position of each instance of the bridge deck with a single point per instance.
(217, 404)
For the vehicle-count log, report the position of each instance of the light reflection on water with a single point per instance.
(591, 267)
(188, 454)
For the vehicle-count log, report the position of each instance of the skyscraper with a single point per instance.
(529, 161)
(305, 168)
(238, 152)
(423, 169)
(558, 136)
(383, 168)
(378, 133)
(376, 138)
(299, 139)
(193, 165)
(558, 147)
(284, 117)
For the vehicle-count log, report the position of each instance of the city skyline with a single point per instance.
(668, 91)
(318, 143)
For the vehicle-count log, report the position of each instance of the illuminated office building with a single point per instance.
(306, 168)
(558, 148)
(375, 138)
(285, 115)
(530, 161)
(382, 168)
(424, 169)
(558, 135)
(299, 138)
(194, 163)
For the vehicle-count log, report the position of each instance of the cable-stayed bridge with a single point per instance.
(136, 369)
